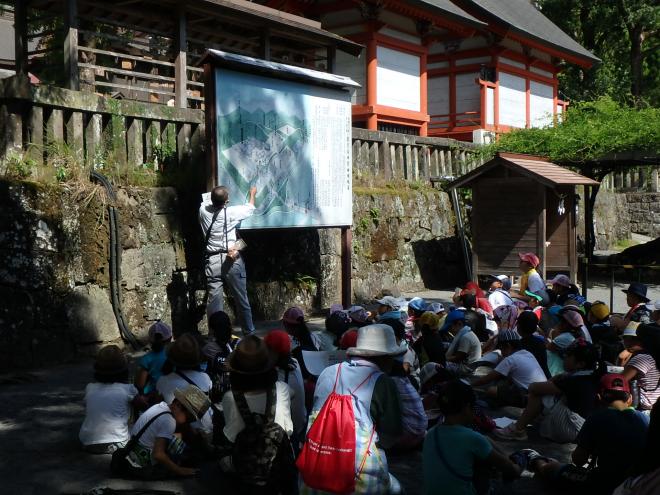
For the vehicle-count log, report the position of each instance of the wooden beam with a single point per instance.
(180, 63)
(265, 44)
(20, 37)
(71, 74)
(331, 64)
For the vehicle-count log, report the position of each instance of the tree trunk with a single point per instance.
(636, 34)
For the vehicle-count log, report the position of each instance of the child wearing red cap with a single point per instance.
(530, 280)
(610, 440)
(288, 371)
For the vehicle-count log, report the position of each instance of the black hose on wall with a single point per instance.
(115, 264)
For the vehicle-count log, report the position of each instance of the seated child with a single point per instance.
(609, 441)
(527, 327)
(566, 400)
(107, 404)
(150, 365)
(154, 453)
(456, 460)
(513, 375)
(217, 352)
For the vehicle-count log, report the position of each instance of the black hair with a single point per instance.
(219, 196)
(584, 352)
(157, 343)
(397, 326)
(247, 383)
(609, 396)
(121, 377)
(337, 323)
(454, 396)
(220, 324)
(469, 300)
(527, 323)
(648, 459)
(516, 345)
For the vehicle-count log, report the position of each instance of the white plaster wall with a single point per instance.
(540, 104)
(398, 81)
(512, 100)
(356, 69)
(438, 95)
(490, 106)
(541, 72)
(468, 95)
(511, 62)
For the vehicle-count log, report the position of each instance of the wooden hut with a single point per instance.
(523, 203)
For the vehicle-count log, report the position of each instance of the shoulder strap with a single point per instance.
(243, 408)
(148, 424)
(208, 231)
(186, 378)
(446, 464)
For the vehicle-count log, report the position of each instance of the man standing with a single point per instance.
(224, 263)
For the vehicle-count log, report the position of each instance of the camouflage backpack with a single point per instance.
(262, 455)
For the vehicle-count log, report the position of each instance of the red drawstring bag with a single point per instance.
(327, 459)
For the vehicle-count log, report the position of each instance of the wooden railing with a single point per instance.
(381, 156)
(37, 120)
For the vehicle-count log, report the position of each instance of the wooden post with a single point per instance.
(181, 63)
(332, 59)
(71, 75)
(210, 127)
(541, 232)
(346, 254)
(655, 186)
(36, 134)
(265, 44)
(588, 222)
(372, 74)
(20, 37)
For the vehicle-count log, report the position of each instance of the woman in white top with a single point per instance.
(107, 404)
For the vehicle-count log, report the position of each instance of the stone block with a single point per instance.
(90, 316)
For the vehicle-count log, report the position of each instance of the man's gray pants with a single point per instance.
(221, 270)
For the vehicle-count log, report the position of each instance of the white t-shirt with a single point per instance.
(535, 283)
(297, 397)
(107, 411)
(522, 367)
(163, 427)
(234, 216)
(257, 403)
(499, 298)
(167, 384)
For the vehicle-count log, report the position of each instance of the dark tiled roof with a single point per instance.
(450, 10)
(523, 17)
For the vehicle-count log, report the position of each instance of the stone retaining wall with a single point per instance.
(644, 213)
(54, 276)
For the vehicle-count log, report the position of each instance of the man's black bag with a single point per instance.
(119, 465)
(262, 455)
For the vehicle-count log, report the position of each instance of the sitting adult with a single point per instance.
(465, 348)
(107, 403)
(499, 291)
(610, 442)
(637, 302)
(530, 280)
(153, 455)
(566, 400)
(642, 366)
(604, 335)
(456, 460)
(376, 404)
(511, 378)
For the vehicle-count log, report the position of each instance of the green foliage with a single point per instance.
(624, 35)
(306, 282)
(18, 166)
(589, 131)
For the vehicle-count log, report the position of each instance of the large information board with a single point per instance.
(289, 139)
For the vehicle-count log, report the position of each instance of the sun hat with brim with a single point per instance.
(613, 382)
(251, 357)
(358, 314)
(631, 329)
(293, 315)
(110, 361)
(561, 279)
(435, 307)
(508, 336)
(530, 258)
(417, 303)
(160, 328)
(185, 352)
(376, 340)
(599, 310)
(639, 290)
(534, 295)
(194, 400)
(573, 318)
(429, 319)
(453, 316)
(390, 301)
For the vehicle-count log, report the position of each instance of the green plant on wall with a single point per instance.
(18, 166)
(306, 282)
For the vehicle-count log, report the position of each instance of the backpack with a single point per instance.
(219, 374)
(327, 459)
(262, 455)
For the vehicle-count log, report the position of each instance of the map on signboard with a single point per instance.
(291, 141)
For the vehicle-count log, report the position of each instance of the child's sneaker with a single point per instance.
(524, 458)
(510, 433)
